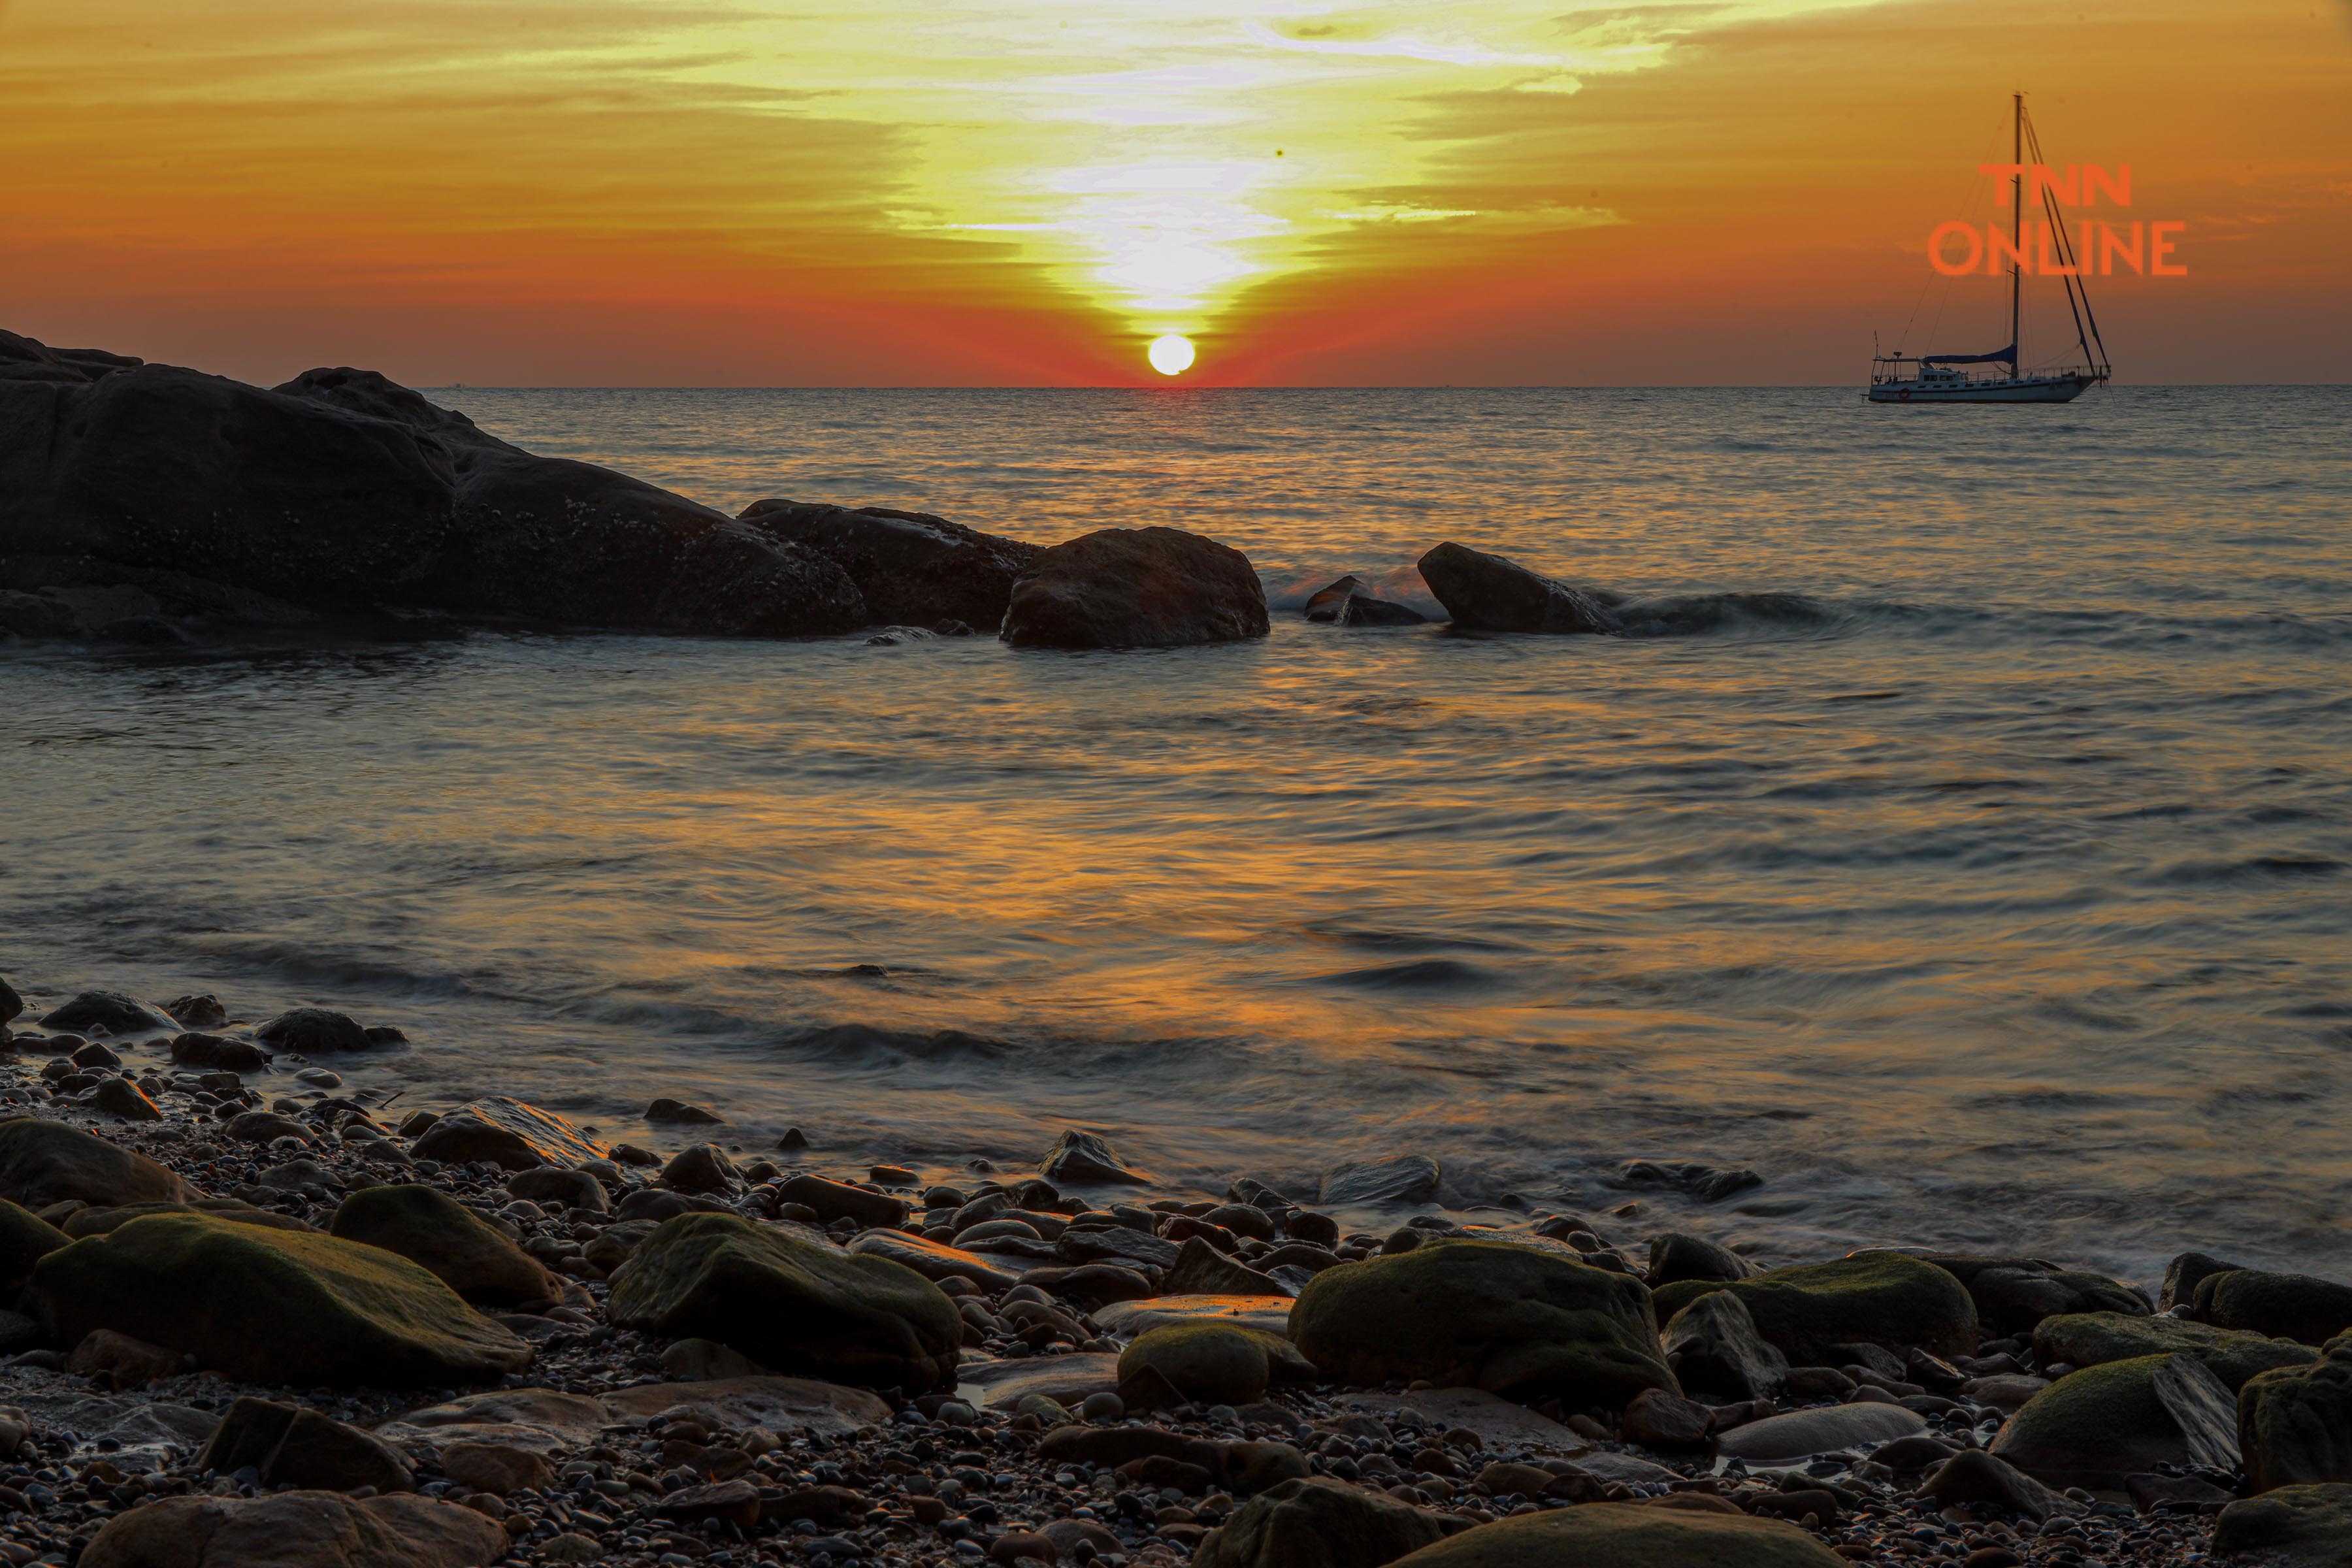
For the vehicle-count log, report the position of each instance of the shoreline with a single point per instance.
(1053, 1275)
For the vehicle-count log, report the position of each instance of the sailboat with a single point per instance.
(1938, 378)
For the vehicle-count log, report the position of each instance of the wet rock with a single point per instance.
(2013, 1294)
(790, 1301)
(267, 1127)
(1397, 1179)
(1627, 1535)
(1675, 1256)
(2284, 1306)
(679, 1110)
(506, 1133)
(1091, 1283)
(1885, 1298)
(701, 1168)
(120, 1096)
(909, 567)
(1975, 1475)
(1117, 1244)
(1199, 1269)
(44, 1162)
(839, 1200)
(1708, 1183)
(1088, 1159)
(297, 1530)
(1507, 1320)
(462, 1250)
(108, 1010)
(200, 1010)
(541, 1419)
(1488, 592)
(931, 1260)
(2093, 1339)
(2294, 1527)
(496, 1468)
(1213, 1362)
(1799, 1434)
(1713, 1347)
(2181, 1274)
(307, 1031)
(219, 1053)
(1351, 601)
(2294, 1423)
(270, 1306)
(1145, 588)
(1066, 1379)
(288, 1445)
(12, 1006)
(2093, 1427)
(551, 1183)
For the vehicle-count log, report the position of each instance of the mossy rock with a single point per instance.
(98, 1221)
(1627, 1535)
(24, 1239)
(2285, 1306)
(1321, 1523)
(2093, 1427)
(2013, 1294)
(2294, 1423)
(459, 1247)
(791, 1301)
(1887, 1298)
(2294, 1527)
(270, 1306)
(44, 1162)
(1513, 1320)
(1211, 1362)
(2093, 1339)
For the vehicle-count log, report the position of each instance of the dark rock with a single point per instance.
(1199, 1269)
(267, 1127)
(1675, 1256)
(1657, 1419)
(1885, 1298)
(1629, 1535)
(12, 1006)
(270, 1306)
(1513, 1320)
(2284, 1306)
(219, 1053)
(2294, 1527)
(572, 1189)
(1090, 1285)
(1708, 1184)
(44, 1162)
(1487, 592)
(931, 1260)
(1975, 1475)
(2294, 1423)
(443, 1236)
(1713, 1347)
(2093, 1339)
(2158, 1493)
(288, 1445)
(308, 1030)
(679, 1110)
(1213, 1362)
(1799, 1434)
(1321, 1523)
(2013, 1294)
(107, 1010)
(1353, 601)
(1117, 1244)
(1144, 588)
(24, 1239)
(1088, 1159)
(506, 1133)
(909, 567)
(297, 1530)
(840, 1200)
(1397, 1179)
(2093, 1427)
(202, 1010)
(702, 1168)
(2181, 1274)
(789, 1301)
(120, 1096)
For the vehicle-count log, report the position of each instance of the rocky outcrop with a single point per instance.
(1488, 592)
(910, 568)
(1135, 587)
(1513, 1320)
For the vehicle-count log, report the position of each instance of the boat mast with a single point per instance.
(2017, 255)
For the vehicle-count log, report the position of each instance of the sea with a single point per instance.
(1968, 852)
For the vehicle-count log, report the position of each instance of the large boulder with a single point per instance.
(297, 1530)
(2012, 1294)
(461, 1249)
(2294, 1527)
(1887, 1298)
(291, 1445)
(1713, 1347)
(508, 1133)
(270, 1306)
(2294, 1423)
(2093, 1427)
(2285, 1306)
(791, 1301)
(909, 567)
(1510, 1319)
(1322, 1524)
(1211, 1362)
(2091, 1339)
(1628, 1535)
(1135, 587)
(1488, 592)
(42, 1163)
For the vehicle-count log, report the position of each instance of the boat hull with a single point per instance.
(2041, 389)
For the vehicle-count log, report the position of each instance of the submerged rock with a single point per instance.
(1353, 601)
(1488, 592)
(1088, 1157)
(910, 568)
(1397, 1179)
(1509, 1320)
(1141, 587)
(311, 1029)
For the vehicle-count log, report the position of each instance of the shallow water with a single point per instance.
(1977, 871)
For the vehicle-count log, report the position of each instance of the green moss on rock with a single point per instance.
(2294, 1423)
(2095, 1426)
(2294, 1527)
(2093, 1339)
(1887, 1298)
(1211, 1362)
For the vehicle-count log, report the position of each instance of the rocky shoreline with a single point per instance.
(256, 1321)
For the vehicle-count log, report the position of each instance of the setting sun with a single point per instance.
(1170, 355)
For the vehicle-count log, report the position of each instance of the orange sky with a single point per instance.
(1005, 192)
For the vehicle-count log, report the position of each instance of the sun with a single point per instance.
(1170, 355)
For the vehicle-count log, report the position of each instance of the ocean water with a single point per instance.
(1973, 860)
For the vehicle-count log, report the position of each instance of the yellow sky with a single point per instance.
(783, 191)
